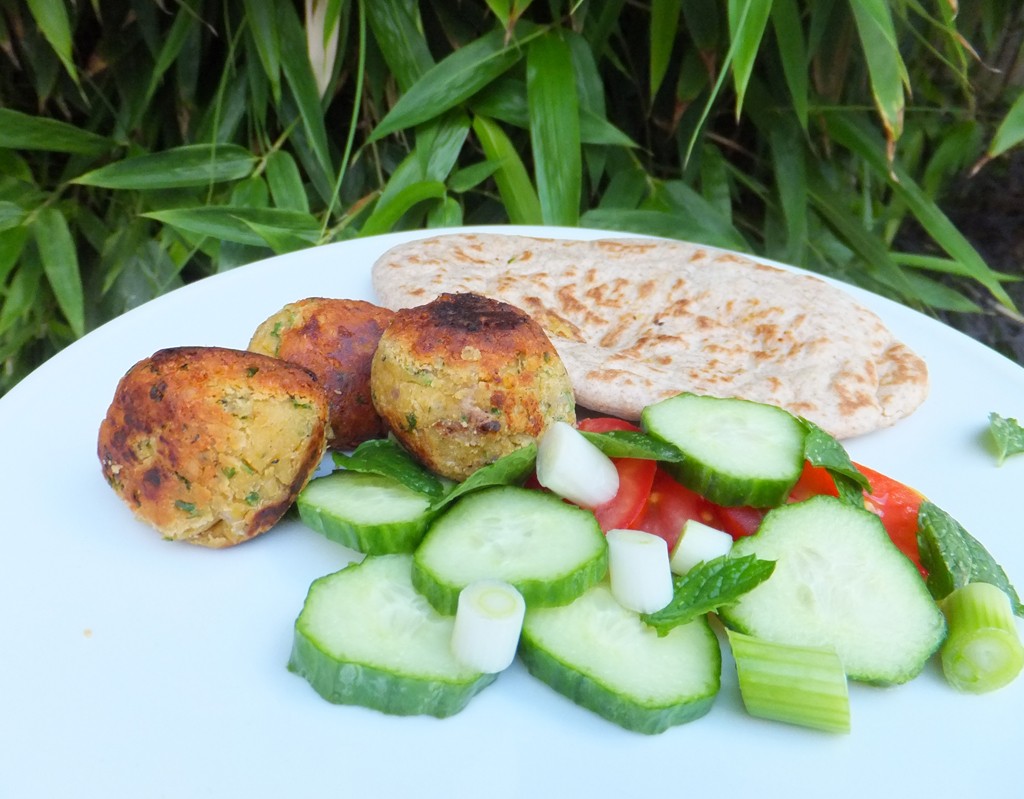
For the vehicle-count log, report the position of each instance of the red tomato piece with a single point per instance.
(635, 478)
(670, 505)
(739, 521)
(897, 505)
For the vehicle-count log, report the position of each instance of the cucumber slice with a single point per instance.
(371, 513)
(604, 658)
(839, 582)
(366, 637)
(734, 451)
(550, 551)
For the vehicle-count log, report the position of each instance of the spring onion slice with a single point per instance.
(574, 468)
(983, 650)
(698, 543)
(638, 569)
(488, 621)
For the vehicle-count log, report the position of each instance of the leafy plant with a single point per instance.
(144, 145)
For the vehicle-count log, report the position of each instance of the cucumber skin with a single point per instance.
(763, 493)
(591, 694)
(444, 596)
(723, 489)
(368, 686)
(733, 616)
(389, 538)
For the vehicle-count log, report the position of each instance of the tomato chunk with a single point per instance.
(636, 476)
(670, 505)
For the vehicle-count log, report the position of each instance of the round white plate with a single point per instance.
(134, 667)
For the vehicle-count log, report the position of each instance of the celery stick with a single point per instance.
(801, 685)
(983, 650)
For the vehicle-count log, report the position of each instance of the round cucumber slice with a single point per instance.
(735, 452)
(839, 582)
(366, 637)
(371, 513)
(604, 658)
(550, 551)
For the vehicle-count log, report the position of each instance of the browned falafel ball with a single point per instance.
(211, 445)
(465, 379)
(335, 339)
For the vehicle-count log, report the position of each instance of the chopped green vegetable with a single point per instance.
(1007, 435)
(385, 456)
(983, 650)
(365, 637)
(371, 513)
(509, 470)
(822, 449)
(602, 657)
(803, 685)
(633, 444)
(708, 586)
(954, 558)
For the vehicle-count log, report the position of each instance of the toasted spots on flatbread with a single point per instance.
(638, 320)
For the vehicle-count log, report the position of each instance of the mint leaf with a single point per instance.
(1008, 436)
(632, 444)
(822, 449)
(954, 558)
(511, 469)
(387, 457)
(708, 586)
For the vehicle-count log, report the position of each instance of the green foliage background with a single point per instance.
(144, 144)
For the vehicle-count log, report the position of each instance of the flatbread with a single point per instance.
(638, 320)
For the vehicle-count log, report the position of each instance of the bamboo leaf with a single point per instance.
(298, 73)
(285, 182)
(12, 243)
(792, 46)
(238, 224)
(52, 19)
(60, 263)
(789, 162)
(857, 137)
(184, 23)
(555, 129)
(21, 294)
(747, 22)
(664, 26)
(451, 82)
(383, 220)
(886, 70)
(191, 165)
(511, 176)
(263, 30)
(401, 40)
(1010, 132)
(703, 19)
(717, 226)
(671, 225)
(11, 215)
(20, 131)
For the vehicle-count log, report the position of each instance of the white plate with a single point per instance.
(133, 667)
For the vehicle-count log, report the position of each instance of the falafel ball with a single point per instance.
(465, 379)
(211, 445)
(335, 339)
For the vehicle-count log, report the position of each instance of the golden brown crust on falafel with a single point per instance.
(335, 339)
(465, 379)
(211, 445)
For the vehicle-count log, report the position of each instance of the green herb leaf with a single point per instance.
(385, 456)
(1008, 436)
(822, 449)
(632, 444)
(511, 469)
(954, 558)
(708, 586)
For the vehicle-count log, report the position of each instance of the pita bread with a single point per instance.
(638, 320)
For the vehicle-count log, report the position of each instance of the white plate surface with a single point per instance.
(133, 667)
